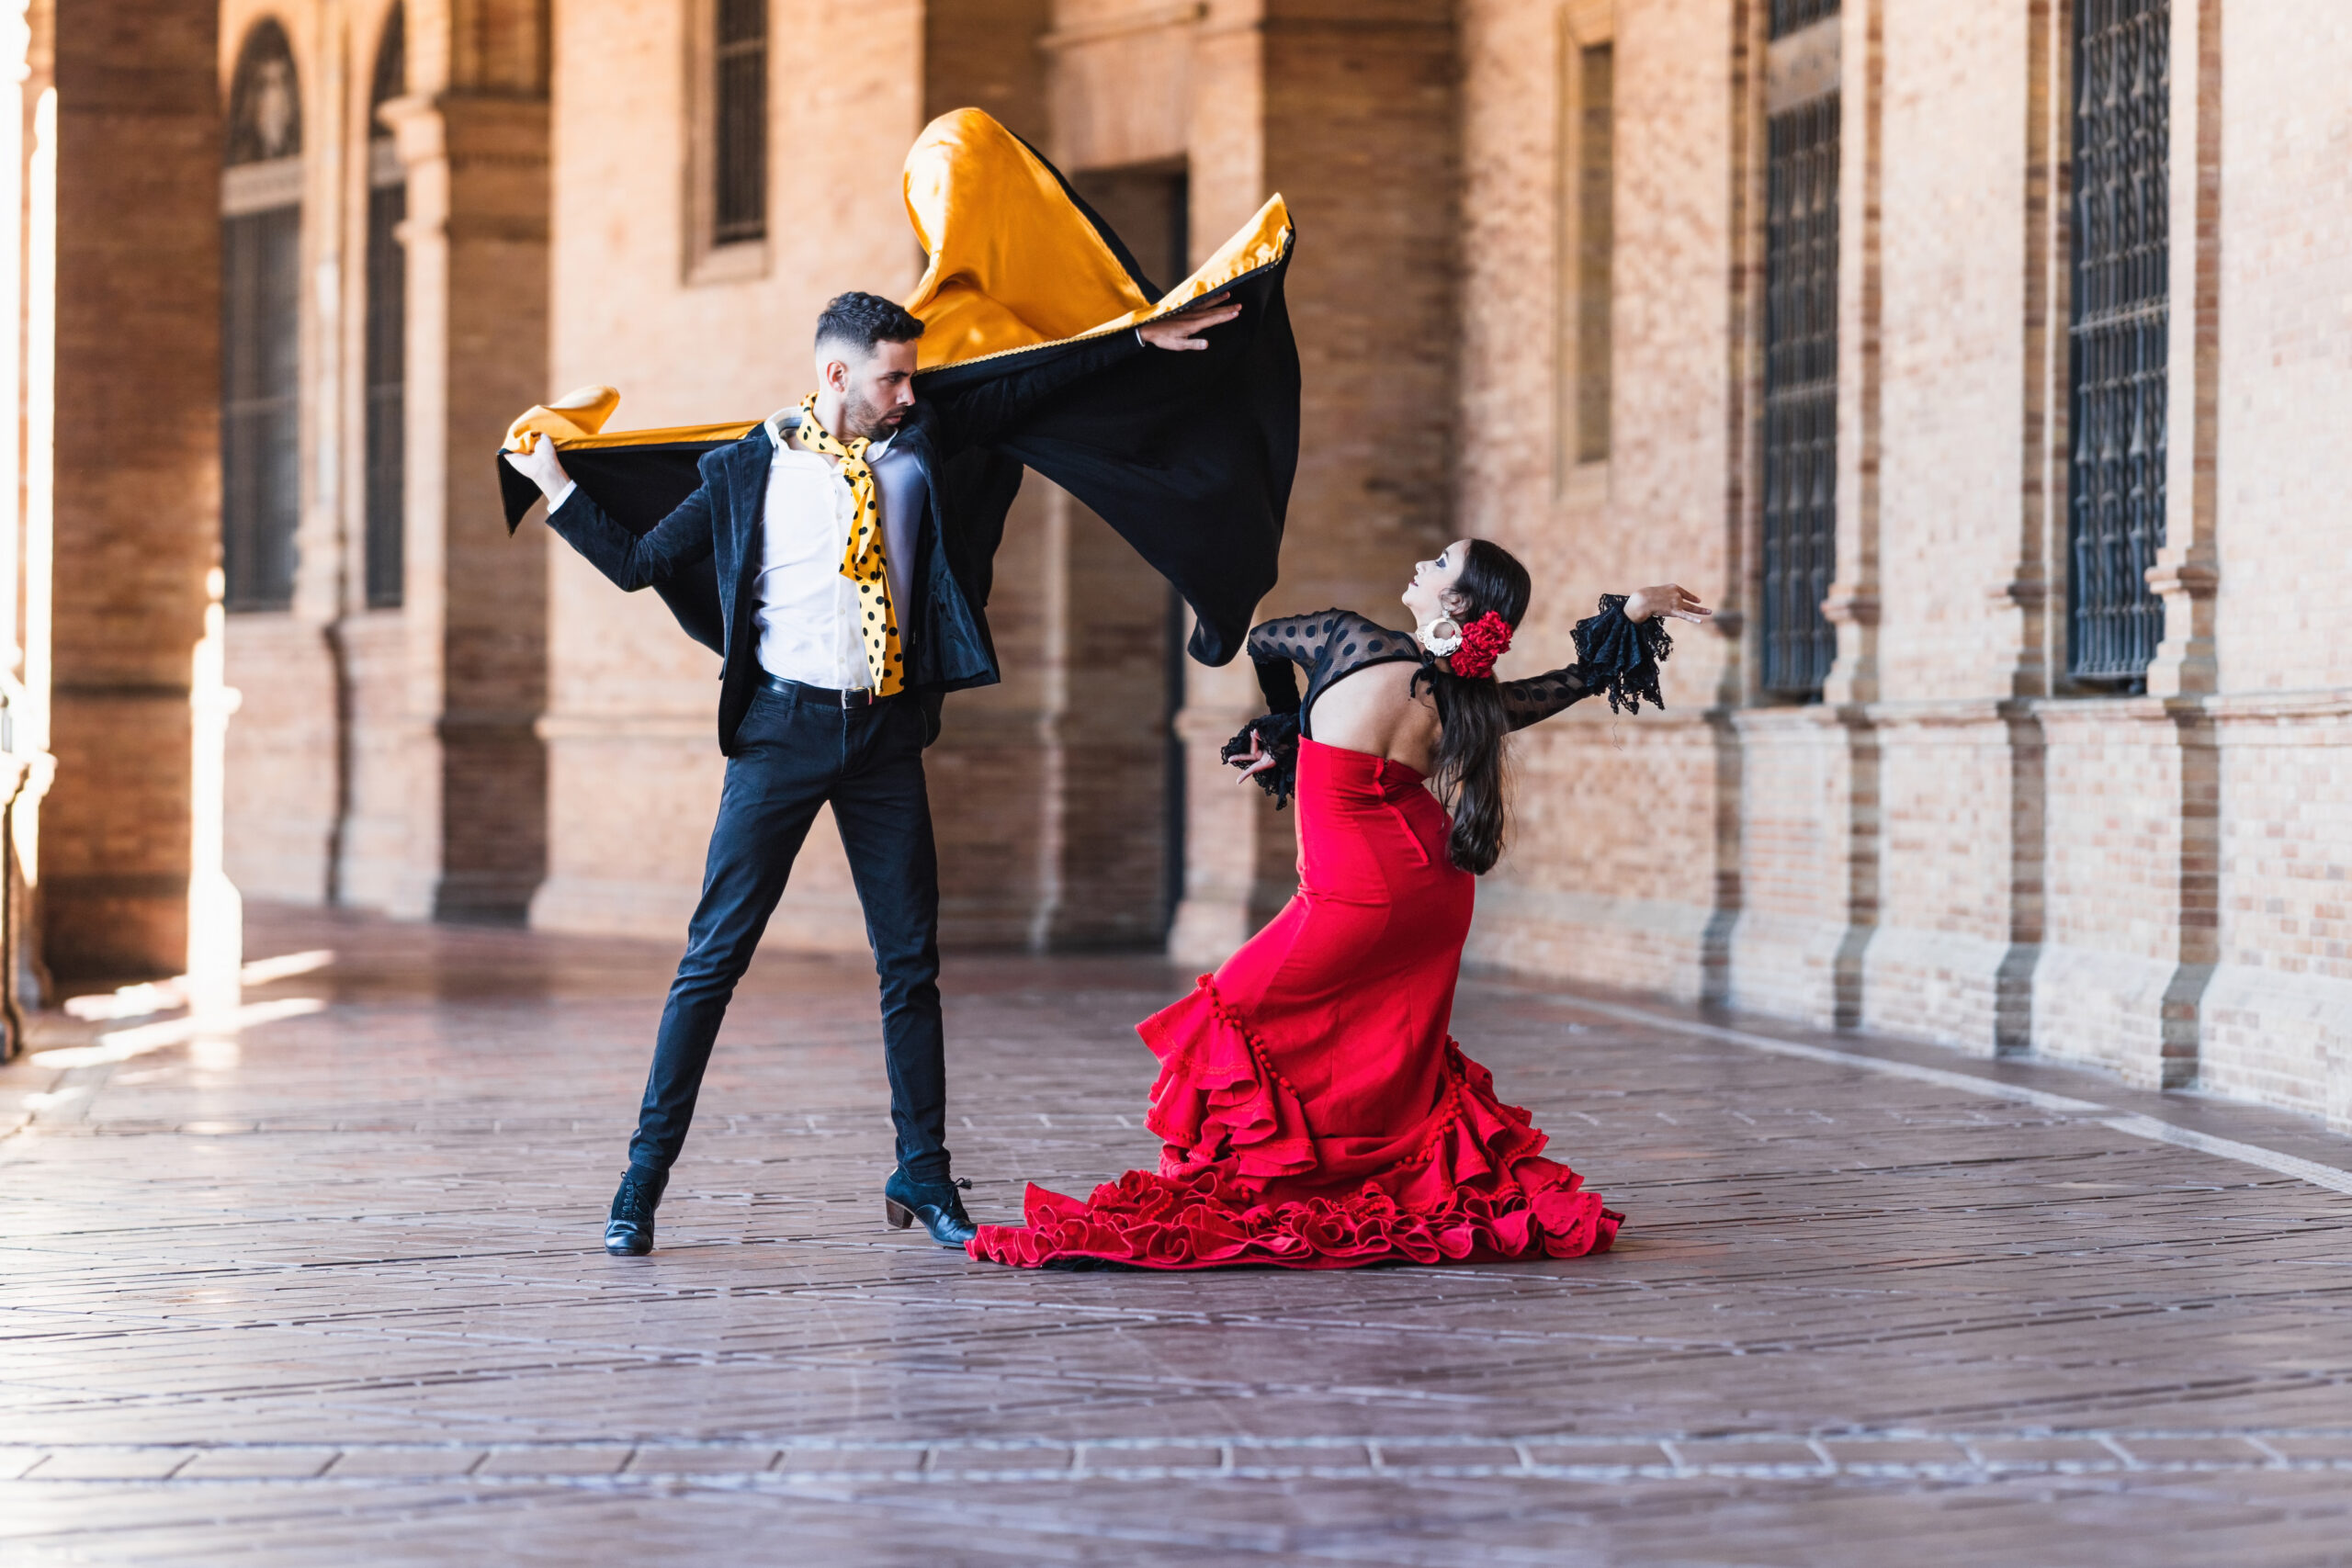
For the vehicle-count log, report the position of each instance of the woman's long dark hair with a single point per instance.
(1470, 776)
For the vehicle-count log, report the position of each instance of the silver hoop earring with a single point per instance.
(1441, 637)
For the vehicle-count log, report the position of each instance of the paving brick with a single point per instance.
(392, 1464)
(2045, 1454)
(1633, 1456)
(1101, 1458)
(553, 1461)
(1865, 1454)
(1706, 1453)
(2218, 1452)
(2332, 1447)
(850, 1461)
(701, 1461)
(109, 1465)
(256, 1464)
(955, 1461)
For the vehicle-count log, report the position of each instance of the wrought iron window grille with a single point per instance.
(1793, 16)
(740, 104)
(1800, 409)
(2119, 337)
(261, 236)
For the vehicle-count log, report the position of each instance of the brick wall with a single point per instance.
(1614, 873)
(1956, 848)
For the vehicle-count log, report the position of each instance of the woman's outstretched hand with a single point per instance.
(1256, 760)
(1666, 599)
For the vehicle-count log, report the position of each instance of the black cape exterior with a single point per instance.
(637, 487)
(1189, 455)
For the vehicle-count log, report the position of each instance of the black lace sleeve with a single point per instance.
(1277, 648)
(1613, 655)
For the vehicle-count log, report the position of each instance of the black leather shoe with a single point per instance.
(629, 1232)
(936, 1204)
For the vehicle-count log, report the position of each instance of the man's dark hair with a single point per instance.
(859, 320)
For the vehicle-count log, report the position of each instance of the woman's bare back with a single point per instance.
(1376, 710)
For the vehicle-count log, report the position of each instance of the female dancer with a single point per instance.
(1315, 1112)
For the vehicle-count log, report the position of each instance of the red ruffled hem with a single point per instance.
(1202, 1222)
(1238, 1173)
(1219, 1100)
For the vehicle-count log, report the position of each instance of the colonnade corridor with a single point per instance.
(327, 1288)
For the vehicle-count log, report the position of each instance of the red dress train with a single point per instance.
(1315, 1112)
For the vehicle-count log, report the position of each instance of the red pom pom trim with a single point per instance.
(1484, 640)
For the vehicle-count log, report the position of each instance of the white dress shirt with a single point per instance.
(807, 613)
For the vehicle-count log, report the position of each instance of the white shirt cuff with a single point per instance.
(557, 498)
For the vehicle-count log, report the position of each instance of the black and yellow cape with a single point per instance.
(1189, 455)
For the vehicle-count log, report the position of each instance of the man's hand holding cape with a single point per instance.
(1189, 455)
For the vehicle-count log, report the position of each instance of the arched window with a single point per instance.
(387, 323)
(260, 238)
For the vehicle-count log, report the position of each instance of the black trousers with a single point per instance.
(793, 754)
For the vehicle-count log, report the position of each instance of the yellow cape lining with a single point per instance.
(1015, 265)
(576, 421)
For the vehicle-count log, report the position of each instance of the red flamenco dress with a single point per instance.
(1315, 1112)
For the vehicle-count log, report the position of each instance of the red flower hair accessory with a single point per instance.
(1484, 640)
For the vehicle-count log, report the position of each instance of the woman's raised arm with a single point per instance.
(1618, 651)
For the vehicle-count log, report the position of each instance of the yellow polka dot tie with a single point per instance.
(865, 562)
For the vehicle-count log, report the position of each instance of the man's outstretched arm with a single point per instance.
(979, 414)
(632, 561)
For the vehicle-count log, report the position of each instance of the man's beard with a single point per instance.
(869, 421)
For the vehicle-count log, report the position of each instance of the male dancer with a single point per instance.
(849, 604)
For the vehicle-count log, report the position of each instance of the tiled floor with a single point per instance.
(328, 1293)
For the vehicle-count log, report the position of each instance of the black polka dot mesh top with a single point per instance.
(1613, 655)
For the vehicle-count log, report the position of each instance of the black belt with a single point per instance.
(827, 696)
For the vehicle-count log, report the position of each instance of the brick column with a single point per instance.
(2187, 571)
(477, 241)
(137, 464)
(2185, 672)
(1852, 603)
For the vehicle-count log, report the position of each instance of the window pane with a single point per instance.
(1596, 245)
(387, 325)
(264, 106)
(261, 471)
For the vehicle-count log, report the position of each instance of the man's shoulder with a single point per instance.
(726, 455)
(919, 429)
